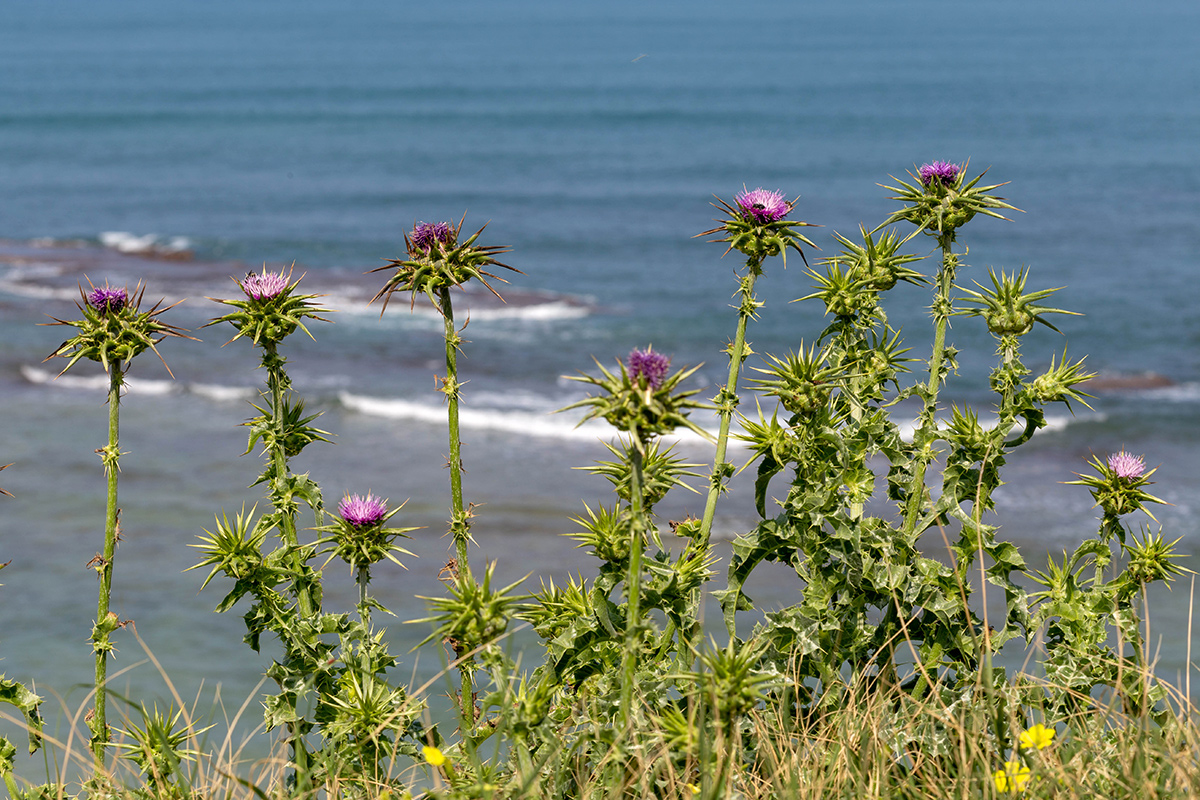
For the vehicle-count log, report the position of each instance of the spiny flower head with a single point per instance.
(756, 225)
(1119, 486)
(1007, 308)
(272, 310)
(943, 172)
(107, 298)
(649, 366)
(362, 511)
(361, 536)
(942, 200)
(114, 329)
(426, 234)
(1126, 466)
(265, 285)
(437, 260)
(642, 400)
(761, 205)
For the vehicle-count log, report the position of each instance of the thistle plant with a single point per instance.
(437, 260)
(1081, 610)
(113, 331)
(756, 225)
(938, 204)
(270, 310)
(645, 402)
(868, 586)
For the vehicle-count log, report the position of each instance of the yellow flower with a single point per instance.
(433, 756)
(1012, 778)
(1038, 736)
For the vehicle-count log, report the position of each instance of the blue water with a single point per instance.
(591, 138)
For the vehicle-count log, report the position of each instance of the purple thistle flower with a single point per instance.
(943, 172)
(649, 365)
(106, 298)
(763, 206)
(362, 511)
(264, 285)
(1126, 466)
(426, 234)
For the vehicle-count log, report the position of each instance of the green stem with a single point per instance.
(460, 525)
(276, 384)
(727, 401)
(926, 432)
(100, 634)
(633, 583)
(363, 578)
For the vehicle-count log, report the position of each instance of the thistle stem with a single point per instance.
(103, 627)
(363, 578)
(460, 526)
(633, 582)
(926, 432)
(276, 384)
(727, 401)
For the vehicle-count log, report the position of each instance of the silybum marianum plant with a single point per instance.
(437, 260)
(871, 596)
(360, 717)
(114, 330)
(628, 701)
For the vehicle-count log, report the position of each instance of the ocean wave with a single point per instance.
(222, 394)
(531, 310)
(530, 414)
(141, 386)
(542, 424)
(1054, 423)
(150, 244)
(1179, 393)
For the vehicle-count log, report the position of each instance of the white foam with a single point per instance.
(1054, 423)
(142, 386)
(526, 423)
(547, 311)
(1180, 393)
(222, 394)
(534, 312)
(125, 242)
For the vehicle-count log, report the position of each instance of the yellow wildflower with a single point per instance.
(1012, 778)
(1038, 736)
(433, 756)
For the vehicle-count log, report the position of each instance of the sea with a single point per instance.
(180, 145)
